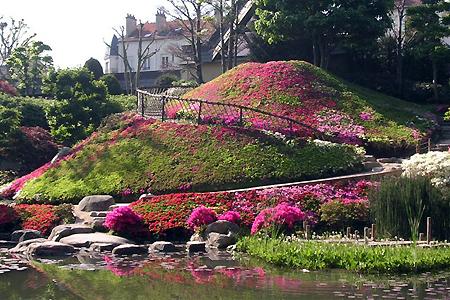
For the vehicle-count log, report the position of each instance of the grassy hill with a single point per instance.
(336, 108)
(130, 156)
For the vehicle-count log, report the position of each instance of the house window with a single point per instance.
(147, 64)
(165, 62)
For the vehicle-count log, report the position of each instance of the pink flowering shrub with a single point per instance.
(7, 88)
(341, 126)
(231, 216)
(200, 217)
(283, 216)
(125, 222)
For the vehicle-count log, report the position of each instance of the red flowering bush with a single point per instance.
(231, 216)
(8, 218)
(201, 216)
(7, 88)
(38, 217)
(125, 222)
(36, 147)
(282, 217)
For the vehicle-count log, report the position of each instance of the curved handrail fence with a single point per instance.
(166, 107)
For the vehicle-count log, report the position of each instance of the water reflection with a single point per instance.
(214, 276)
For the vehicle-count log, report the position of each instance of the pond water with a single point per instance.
(215, 276)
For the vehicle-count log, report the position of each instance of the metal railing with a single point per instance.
(166, 107)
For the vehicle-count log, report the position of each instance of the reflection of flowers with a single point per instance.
(117, 269)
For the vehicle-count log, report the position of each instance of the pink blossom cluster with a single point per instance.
(340, 125)
(281, 215)
(123, 220)
(231, 216)
(201, 216)
(366, 116)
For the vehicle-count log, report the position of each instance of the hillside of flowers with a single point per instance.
(130, 156)
(326, 206)
(310, 95)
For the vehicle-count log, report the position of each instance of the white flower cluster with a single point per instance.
(435, 165)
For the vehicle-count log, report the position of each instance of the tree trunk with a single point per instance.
(435, 80)
(324, 55)
(222, 38)
(315, 49)
(199, 45)
(232, 34)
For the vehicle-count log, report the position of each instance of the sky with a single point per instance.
(76, 30)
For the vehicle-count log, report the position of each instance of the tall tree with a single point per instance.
(328, 23)
(28, 65)
(431, 24)
(144, 52)
(124, 57)
(191, 16)
(13, 34)
(95, 67)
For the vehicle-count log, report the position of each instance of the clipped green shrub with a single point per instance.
(340, 214)
(400, 205)
(112, 84)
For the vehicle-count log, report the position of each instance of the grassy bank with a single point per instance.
(318, 256)
(147, 155)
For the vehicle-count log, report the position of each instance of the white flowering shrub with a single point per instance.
(435, 165)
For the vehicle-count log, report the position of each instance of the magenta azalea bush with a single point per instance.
(231, 216)
(283, 216)
(200, 217)
(125, 222)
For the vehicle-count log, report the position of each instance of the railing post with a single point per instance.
(163, 112)
(291, 128)
(140, 97)
(199, 118)
(241, 116)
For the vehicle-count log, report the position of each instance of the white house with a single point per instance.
(168, 45)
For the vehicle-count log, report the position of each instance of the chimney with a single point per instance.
(130, 25)
(161, 21)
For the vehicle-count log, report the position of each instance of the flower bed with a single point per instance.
(170, 212)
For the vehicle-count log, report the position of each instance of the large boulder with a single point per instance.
(87, 239)
(62, 231)
(129, 249)
(192, 247)
(23, 246)
(100, 247)
(96, 203)
(50, 248)
(222, 227)
(62, 153)
(163, 247)
(26, 234)
(220, 241)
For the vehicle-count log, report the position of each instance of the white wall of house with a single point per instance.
(164, 59)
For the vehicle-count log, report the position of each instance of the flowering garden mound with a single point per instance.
(310, 95)
(130, 156)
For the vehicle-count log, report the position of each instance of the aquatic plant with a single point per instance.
(314, 255)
